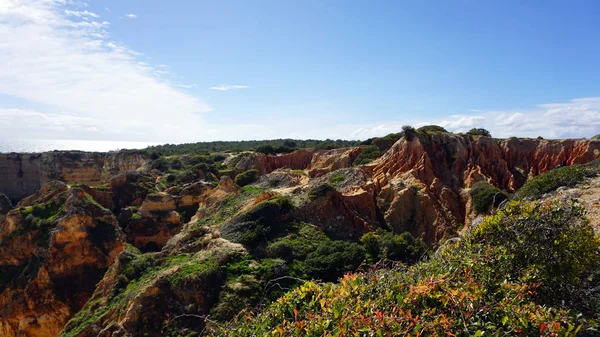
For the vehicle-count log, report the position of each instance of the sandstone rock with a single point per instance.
(445, 164)
(53, 267)
(23, 174)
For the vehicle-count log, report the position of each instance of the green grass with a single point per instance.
(299, 172)
(193, 271)
(337, 178)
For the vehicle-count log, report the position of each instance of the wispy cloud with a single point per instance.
(224, 87)
(576, 118)
(82, 14)
(79, 80)
(107, 9)
(131, 16)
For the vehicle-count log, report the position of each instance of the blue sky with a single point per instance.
(178, 71)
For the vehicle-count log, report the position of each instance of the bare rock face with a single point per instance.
(326, 161)
(316, 163)
(161, 215)
(23, 174)
(419, 183)
(52, 254)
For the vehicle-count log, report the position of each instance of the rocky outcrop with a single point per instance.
(316, 163)
(23, 174)
(52, 254)
(326, 161)
(420, 181)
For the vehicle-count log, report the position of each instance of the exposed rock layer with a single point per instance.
(422, 179)
(23, 174)
(54, 262)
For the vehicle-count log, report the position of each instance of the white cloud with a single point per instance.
(63, 63)
(131, 16)
(224, 87)
(577, 118)
(82, 14)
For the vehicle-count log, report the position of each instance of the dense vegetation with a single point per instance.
(265, 146)
(374, 148)
(532, 269)
(564, 176)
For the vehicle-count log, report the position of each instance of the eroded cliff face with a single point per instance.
(23, 174)
(421, 181)
(316, 163)
(52, 254)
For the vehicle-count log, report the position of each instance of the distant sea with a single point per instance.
(39, 145)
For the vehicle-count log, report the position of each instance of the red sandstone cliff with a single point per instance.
(422, 179)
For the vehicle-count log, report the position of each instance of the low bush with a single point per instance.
(387, 245)
(548, 243)
(333, 259)
(479, 132)
(246, 178)
(564, 176)
(485, 195)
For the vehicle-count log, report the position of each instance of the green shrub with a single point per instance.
(551, 244)
(431, 129)
(564, 176)
(258, 223)
(403, 247)
(596, 137)
(246, 177)
(367, 155)
(333, 259)
(266, 149)
(479, 132)
(384, 143)
(485, 195)
(296, 246)
(320, 191)
(161, 163)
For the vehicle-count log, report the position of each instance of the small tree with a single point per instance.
(479, 132)
(409, 132)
